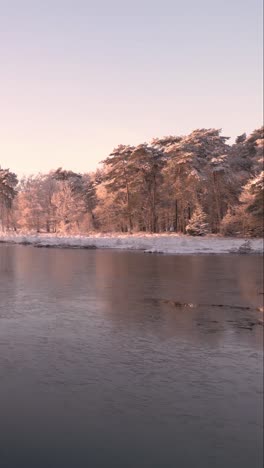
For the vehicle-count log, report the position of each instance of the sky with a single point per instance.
(79, 77)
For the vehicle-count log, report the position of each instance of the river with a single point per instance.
(100, 365)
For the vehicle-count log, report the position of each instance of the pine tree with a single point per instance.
(198, 225)
(147, 164)
(152, 187)
(117, 179)
(8, 182)
(252, 201)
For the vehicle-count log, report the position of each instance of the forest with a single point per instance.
(193, 184)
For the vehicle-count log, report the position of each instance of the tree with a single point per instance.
(8, 182)
(68, 200)
(34, 208)
(246, 155)
(147, 163)
(198, 225)
(117, 179)
(194, 170)
(252, 199)
(153, 187)
(88, 192)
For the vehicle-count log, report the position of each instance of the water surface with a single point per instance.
(98, 370)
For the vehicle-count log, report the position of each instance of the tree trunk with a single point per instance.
(176, 216)
(128, 198)
(217, 202)
(154, 214)
(129, 209)
(189, 212)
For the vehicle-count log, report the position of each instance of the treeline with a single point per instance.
(194, 184)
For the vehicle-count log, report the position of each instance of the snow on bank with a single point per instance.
(156, 243)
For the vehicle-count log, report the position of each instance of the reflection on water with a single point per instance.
(98, 369)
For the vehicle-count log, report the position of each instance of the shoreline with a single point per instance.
(172, 244)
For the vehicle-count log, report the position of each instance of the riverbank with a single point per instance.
(149, 243)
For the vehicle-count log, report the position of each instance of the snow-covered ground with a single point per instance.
(155, 243)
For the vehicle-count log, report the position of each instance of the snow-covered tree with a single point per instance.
(196, 167)
(8, 182)
(117, 179)
(198, 225)
(185, 183)
(29, 208)
(147, 164)
(72, 200)
(252, 199)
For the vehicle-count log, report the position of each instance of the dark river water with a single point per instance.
(100, 367)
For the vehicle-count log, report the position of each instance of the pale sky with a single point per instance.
(79, 77)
